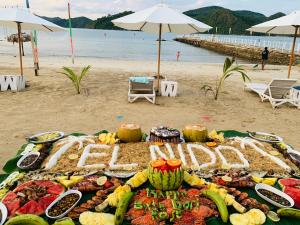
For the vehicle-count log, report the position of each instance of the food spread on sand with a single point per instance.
(123, 177)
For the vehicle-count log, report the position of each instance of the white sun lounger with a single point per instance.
(278, 91)
(141, 88)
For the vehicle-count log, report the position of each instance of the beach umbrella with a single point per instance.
(288, 25)
(22, 19)
(161, 19)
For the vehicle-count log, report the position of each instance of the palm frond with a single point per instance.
(84, 72)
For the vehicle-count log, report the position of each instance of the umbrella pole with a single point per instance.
(293, 52)
(20, 47)
(158, 59)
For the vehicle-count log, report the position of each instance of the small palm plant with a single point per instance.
(229, 69)
(75, 78)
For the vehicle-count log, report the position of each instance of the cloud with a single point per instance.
(98, 8)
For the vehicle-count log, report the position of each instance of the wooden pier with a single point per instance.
(251, 53)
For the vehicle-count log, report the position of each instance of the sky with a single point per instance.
(98, 8)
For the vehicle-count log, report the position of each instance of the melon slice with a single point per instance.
(44, 202)
(12, 203)
(195, 133)
(294, 193)
(31, 207)
(56, 189)
(289, 182)
(130, 133)
(23, 186)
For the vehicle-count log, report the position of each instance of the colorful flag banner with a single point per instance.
(71, 33)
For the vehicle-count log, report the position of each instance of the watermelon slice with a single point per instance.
(9, 197)
(294, 193)
(45, 183)
(31, 207)
(12, 206)
(289, 182)
(23, 186)
(55, 189)
(44, 202)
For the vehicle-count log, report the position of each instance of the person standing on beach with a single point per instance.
(177, 56)
(264, 57)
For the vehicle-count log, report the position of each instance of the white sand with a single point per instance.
(50, 103)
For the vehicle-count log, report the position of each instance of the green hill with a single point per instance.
(78, 22)
(225, 19)
(214, 16)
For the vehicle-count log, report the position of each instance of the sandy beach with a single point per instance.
(50, 102)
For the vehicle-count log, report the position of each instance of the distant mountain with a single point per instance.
(225, 19)
(214, 16)
(105, 22)
(78, 22)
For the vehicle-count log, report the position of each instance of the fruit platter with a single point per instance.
(165, 176)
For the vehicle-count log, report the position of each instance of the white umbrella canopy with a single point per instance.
(10, 16)
(287, 25)
(172, 21)
(161, 19)
(22, 19)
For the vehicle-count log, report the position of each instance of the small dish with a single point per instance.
(24, 157)
(110, 173)
(34, 139)
(260, 136)
(3, 210)
(276, 192)
(58, 199)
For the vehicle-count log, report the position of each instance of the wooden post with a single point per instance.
(20, 47)
(158, 58)
(293, 51)
(23, 53)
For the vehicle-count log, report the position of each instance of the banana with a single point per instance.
(217, 199)
(289, 212)
(27, 219)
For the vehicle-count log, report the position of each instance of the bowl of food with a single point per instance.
(274, 196)
(46, 137)
(27, 161)
(3, 213)
(265, 137)
(63, 204)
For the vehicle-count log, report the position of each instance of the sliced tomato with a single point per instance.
(158, 163)
(107, 184)
(44, 202)
(31, 207)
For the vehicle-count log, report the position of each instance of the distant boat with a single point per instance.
(161, 40)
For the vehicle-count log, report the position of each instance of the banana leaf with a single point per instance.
(233, 133)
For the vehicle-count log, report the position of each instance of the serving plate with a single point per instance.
(110, 173)
(3, 210)
(24, 157)
(58, 199)
(276, 138)
(33, 139)
(275, 191)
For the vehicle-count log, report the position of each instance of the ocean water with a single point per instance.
(124, 45)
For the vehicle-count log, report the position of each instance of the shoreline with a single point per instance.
(50, 102)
